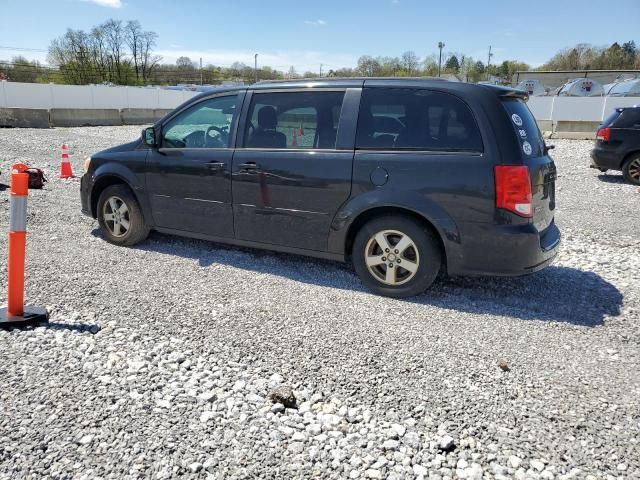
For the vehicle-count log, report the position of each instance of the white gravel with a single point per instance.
(160, 360)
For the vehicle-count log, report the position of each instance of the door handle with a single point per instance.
(248, 167)
(216, 165)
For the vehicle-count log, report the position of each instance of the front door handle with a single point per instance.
(216, 165)
(248, 167)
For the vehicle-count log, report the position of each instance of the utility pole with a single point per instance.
(255, 58)
(440, 46)
(320, 70)
(201, 71)
(489, 62)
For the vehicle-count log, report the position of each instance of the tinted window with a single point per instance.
(525, 127)
(204, 125)
(629, 117)
(410, 119)
(612, 117)
(294, 120)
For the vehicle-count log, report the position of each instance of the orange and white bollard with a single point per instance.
(65, 164)
(15, 313)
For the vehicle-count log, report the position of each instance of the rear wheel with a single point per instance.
(396, 256)
(631, 170)
(120, 217)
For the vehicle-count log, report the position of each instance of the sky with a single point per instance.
(335, 33)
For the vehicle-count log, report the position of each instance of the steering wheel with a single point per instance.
(222, 138)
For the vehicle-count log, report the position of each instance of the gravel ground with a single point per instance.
(160, 360)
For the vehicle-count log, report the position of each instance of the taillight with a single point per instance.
(604, 134)
(513, 189)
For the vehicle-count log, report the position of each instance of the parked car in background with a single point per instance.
(618, 144)
(405, 178)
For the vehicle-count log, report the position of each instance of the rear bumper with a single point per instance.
(506, 250)
(606, 159)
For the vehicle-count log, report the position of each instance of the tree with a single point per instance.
(430, 65)
(410, 61)
(184, 63)
(452, 64)
(23, 70)
(368, 66)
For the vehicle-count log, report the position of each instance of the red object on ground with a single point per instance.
(17, 239)
(65, 165)
(15, 314)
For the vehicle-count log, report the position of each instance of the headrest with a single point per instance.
(267, 118)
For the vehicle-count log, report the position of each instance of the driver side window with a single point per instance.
(205, 125)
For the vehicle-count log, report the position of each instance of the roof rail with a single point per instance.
(330, 79)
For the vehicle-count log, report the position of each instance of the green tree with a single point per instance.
(452, 64)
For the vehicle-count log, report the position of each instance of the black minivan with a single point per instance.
(407, 178)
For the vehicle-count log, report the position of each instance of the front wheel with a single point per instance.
(395, 256)
(631, 170)
(120, 217)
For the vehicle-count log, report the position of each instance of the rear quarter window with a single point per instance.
(628, 118)
(525, 128)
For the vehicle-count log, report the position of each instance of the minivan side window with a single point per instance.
(204, 125)
(415, 119)
(299, 120)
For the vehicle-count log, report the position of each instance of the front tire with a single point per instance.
(631, 170)
(120, 216)
(396, 256)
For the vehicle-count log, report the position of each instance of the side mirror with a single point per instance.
(149, 137)
(548, 147)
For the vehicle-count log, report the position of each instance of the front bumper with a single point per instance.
(506, 250)
(86, 183)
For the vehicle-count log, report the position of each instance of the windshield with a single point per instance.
(525, 127)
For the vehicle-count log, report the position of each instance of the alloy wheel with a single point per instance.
(116, 216)
(392, 257)
(634, 169)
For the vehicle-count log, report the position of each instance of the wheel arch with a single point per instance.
(365, 216)
(628, 156)
(101, 183)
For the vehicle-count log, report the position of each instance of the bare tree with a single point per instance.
(148, 60)
(133, 34)
(410, 61)
(115, 38)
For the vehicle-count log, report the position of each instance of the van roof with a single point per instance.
(359, 82)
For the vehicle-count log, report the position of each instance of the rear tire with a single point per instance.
(400, 272)
(631, 170)
(120, 216)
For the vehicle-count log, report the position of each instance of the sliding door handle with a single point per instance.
(248, 167)
(216, 165)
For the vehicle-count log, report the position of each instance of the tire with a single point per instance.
(422, 253)
(631, 170)
(125, 227)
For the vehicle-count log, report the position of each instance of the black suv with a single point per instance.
(618, 144)
(405, 177)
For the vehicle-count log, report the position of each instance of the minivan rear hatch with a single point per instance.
(542, 170)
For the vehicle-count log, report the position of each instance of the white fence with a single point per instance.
(577, 109)
(48, 96)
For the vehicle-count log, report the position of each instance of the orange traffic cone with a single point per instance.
(301, 131)
(65, 165)
(294, 143)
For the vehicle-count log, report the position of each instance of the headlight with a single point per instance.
(87, 164)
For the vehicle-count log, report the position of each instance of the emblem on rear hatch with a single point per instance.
(526, 146)
(516, 119)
